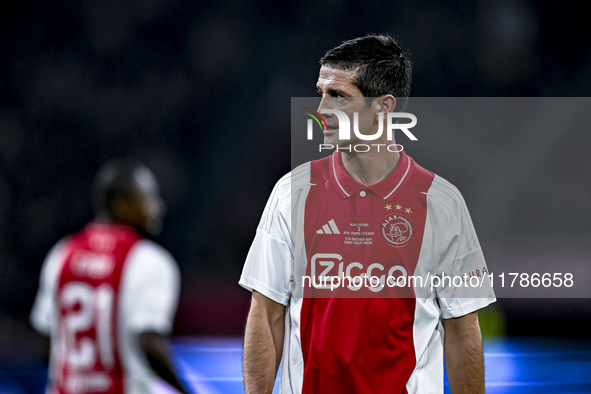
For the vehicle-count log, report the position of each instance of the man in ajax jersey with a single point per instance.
(364, 214)
(108, 295)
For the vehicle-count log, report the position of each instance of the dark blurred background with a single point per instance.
(200, 91)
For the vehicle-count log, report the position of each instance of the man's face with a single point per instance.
(143, 208)
(338, 92)
(150, 205)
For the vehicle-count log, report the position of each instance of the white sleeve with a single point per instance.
(43, 314)
(150, 287)
(268, 265)
(464, 259)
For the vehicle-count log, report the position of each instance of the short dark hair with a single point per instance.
(116, 178)
(382, 67)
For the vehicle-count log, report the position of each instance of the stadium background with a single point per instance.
(201, 93)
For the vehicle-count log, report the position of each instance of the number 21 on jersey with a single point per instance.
(87, 326)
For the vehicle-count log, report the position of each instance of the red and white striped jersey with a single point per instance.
(363, 336)
(98, 289)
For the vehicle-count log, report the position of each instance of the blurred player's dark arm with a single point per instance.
(463, 354)
(40, 342)
(263, 344)
(155, 347)
(45, 342)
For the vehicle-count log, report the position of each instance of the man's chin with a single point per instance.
(153, 227)
(334, 142)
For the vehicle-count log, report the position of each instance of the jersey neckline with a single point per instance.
(386, 189)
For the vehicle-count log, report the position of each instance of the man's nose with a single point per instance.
(325, 104)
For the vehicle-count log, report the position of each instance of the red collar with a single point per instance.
(386, 188)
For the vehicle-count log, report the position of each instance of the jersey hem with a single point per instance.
(467, 308)
(252, 284)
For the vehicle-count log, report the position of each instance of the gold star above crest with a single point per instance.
(408, 210)
(398, 207)
(388, 207)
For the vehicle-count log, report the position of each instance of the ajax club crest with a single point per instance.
(396, 230)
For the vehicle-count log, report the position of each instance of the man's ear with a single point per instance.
(383, 105)
(387, 103)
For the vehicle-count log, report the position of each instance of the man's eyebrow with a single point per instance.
(334, 92)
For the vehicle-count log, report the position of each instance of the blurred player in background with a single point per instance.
(108, 295)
